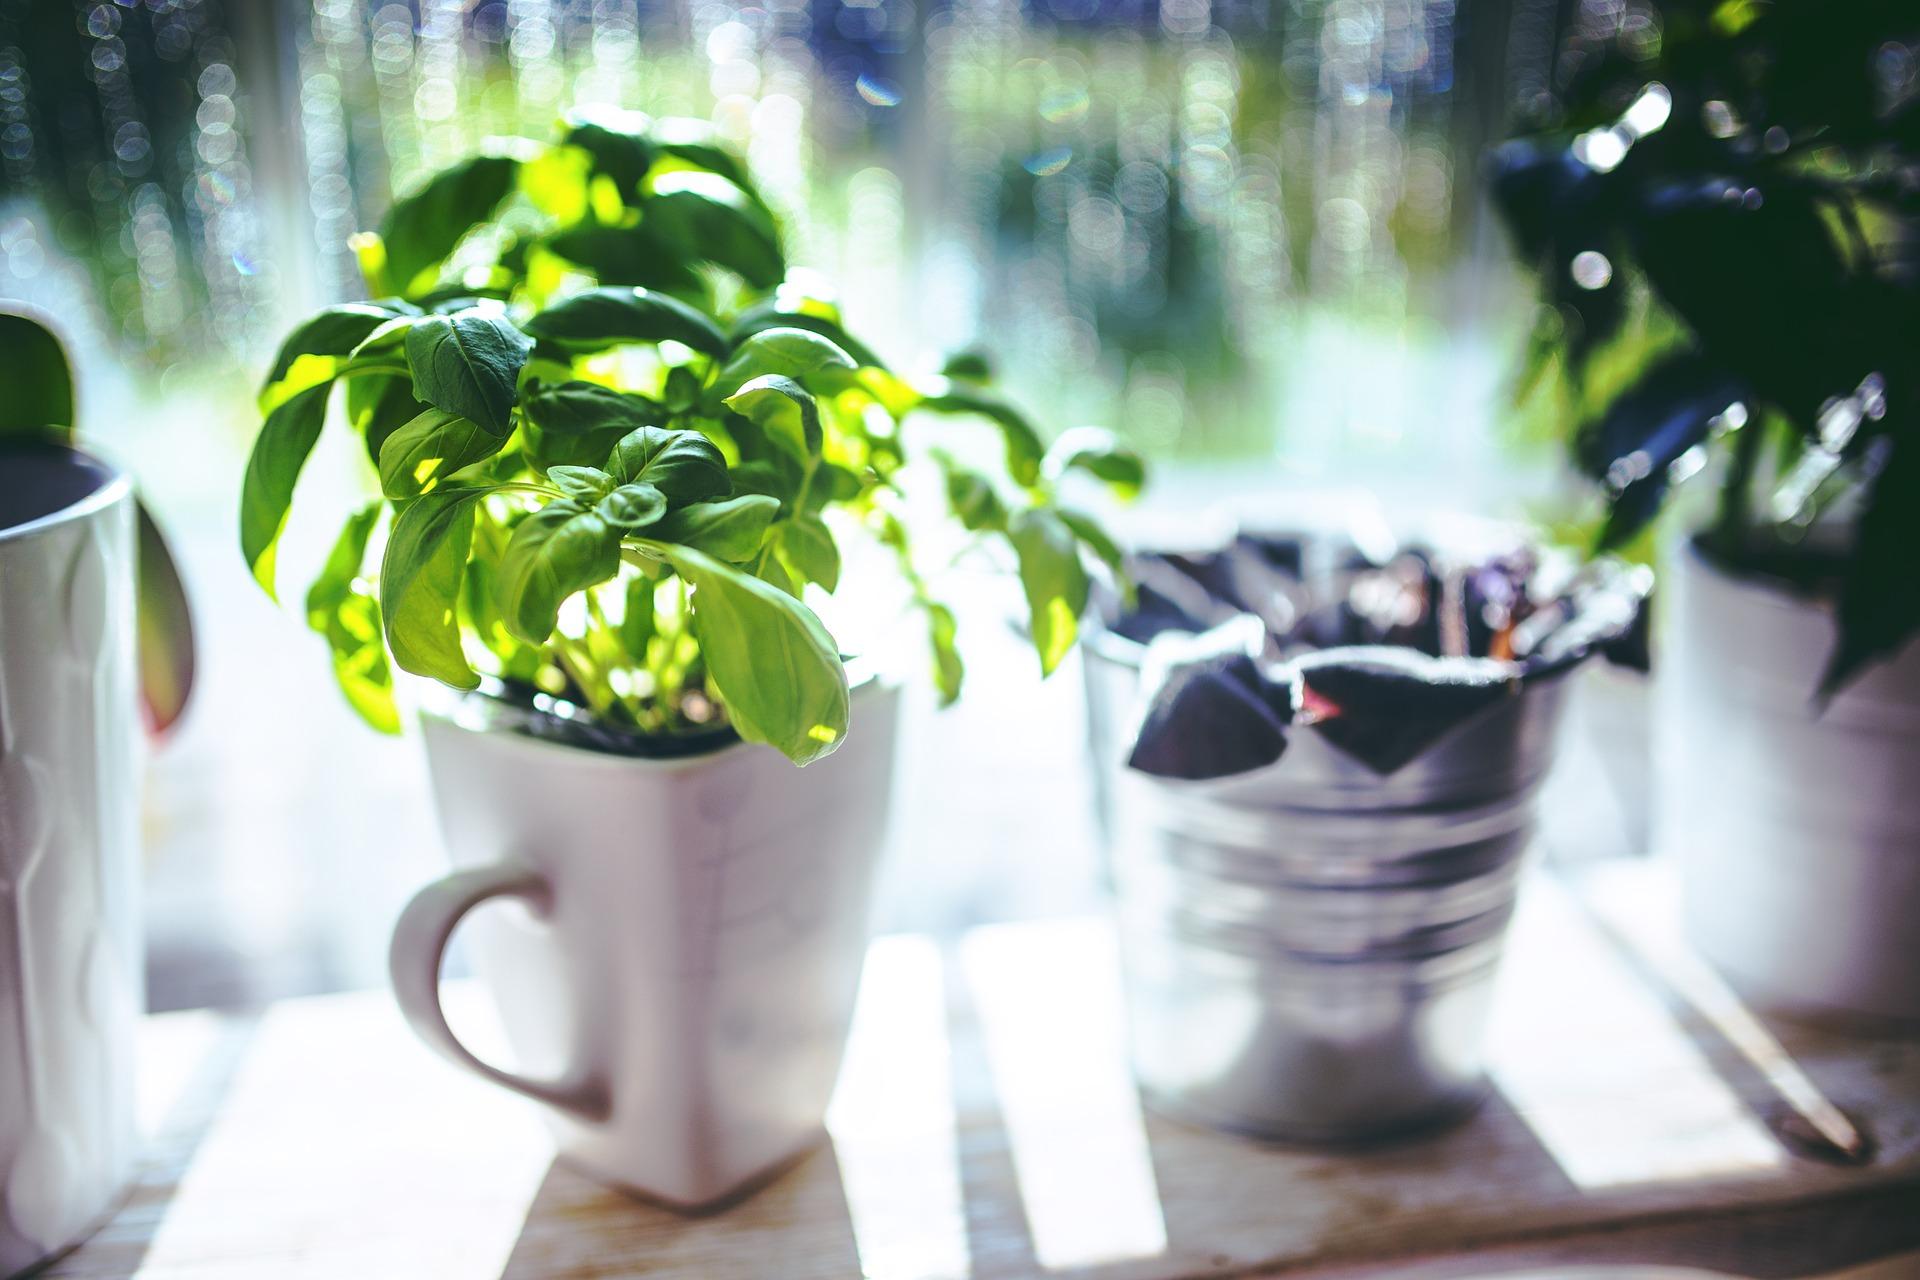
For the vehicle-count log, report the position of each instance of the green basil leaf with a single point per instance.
(771, 661)
(636, 624)
(1096, 452)
(599, 318)
(948, 669)
(422, 228)
(974, 501)
(556, 182)
(682, 390)
(579, 423)
(684, 465)
(1054, 580)
(617, 141)
(420, 578)
(281, 450)
(633, 506)
(342, 566)
(38, 381)
(693, 141)
(807, 547)
(1024, 450)
(783, 411)
(468, 364)
(790, 353)
(518, 661)
(780, 481)
(336, 331)
(580, 408)
(562, 548)
(706, 217)
(970, 365)
(347, 614)
(587, 484)
(426, 450)
(378, 407)
(770, 571)
(1097, 540)
(732, 530)
(627, 255)
(770, 314)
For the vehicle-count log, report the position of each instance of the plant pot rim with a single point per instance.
(484, 713)
(111, 485)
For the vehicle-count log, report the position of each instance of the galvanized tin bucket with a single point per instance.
(1310, 948)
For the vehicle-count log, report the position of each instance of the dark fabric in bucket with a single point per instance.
(1382, 660)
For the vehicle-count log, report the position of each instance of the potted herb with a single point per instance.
(1723, 220)
(619, 458)
(92, 615)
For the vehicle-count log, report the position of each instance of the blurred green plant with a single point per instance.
(1724, 222)
(39, 409)
(617, 447)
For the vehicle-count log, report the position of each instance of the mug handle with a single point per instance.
(419, 943)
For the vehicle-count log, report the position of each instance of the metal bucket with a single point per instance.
(1310, 948)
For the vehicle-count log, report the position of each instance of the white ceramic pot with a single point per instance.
(70, 964)
(679, 993)
(1797, 831)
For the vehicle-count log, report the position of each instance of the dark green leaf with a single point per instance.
(38, 382)
(468, 364)
(1024, 450)
(280, 451)
(783, 411)
(974, 502)
(633, 506)
(1054, 581)
(421, 229)
(1879, 609)
(336, 331)
(579, 423)
(341, 609)
(684, 465)
(420, 578)
(428, 449)
(598, 318)
(562, 548)
(378, 407)
(694, 142)
(706, 217)
(971, 365)
(1646, 430)
(682, 390)
(732, 530)
(617, 144)
(587, 484)
(772, 663)
(1097, 453)
(627, 255)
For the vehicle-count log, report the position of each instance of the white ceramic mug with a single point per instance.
(679, 989)
(70, 963)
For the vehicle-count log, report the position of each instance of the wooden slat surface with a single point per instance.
(986, 1128)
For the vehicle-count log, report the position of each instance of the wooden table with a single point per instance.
(986, 1127)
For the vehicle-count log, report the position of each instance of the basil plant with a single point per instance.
(617, 448)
